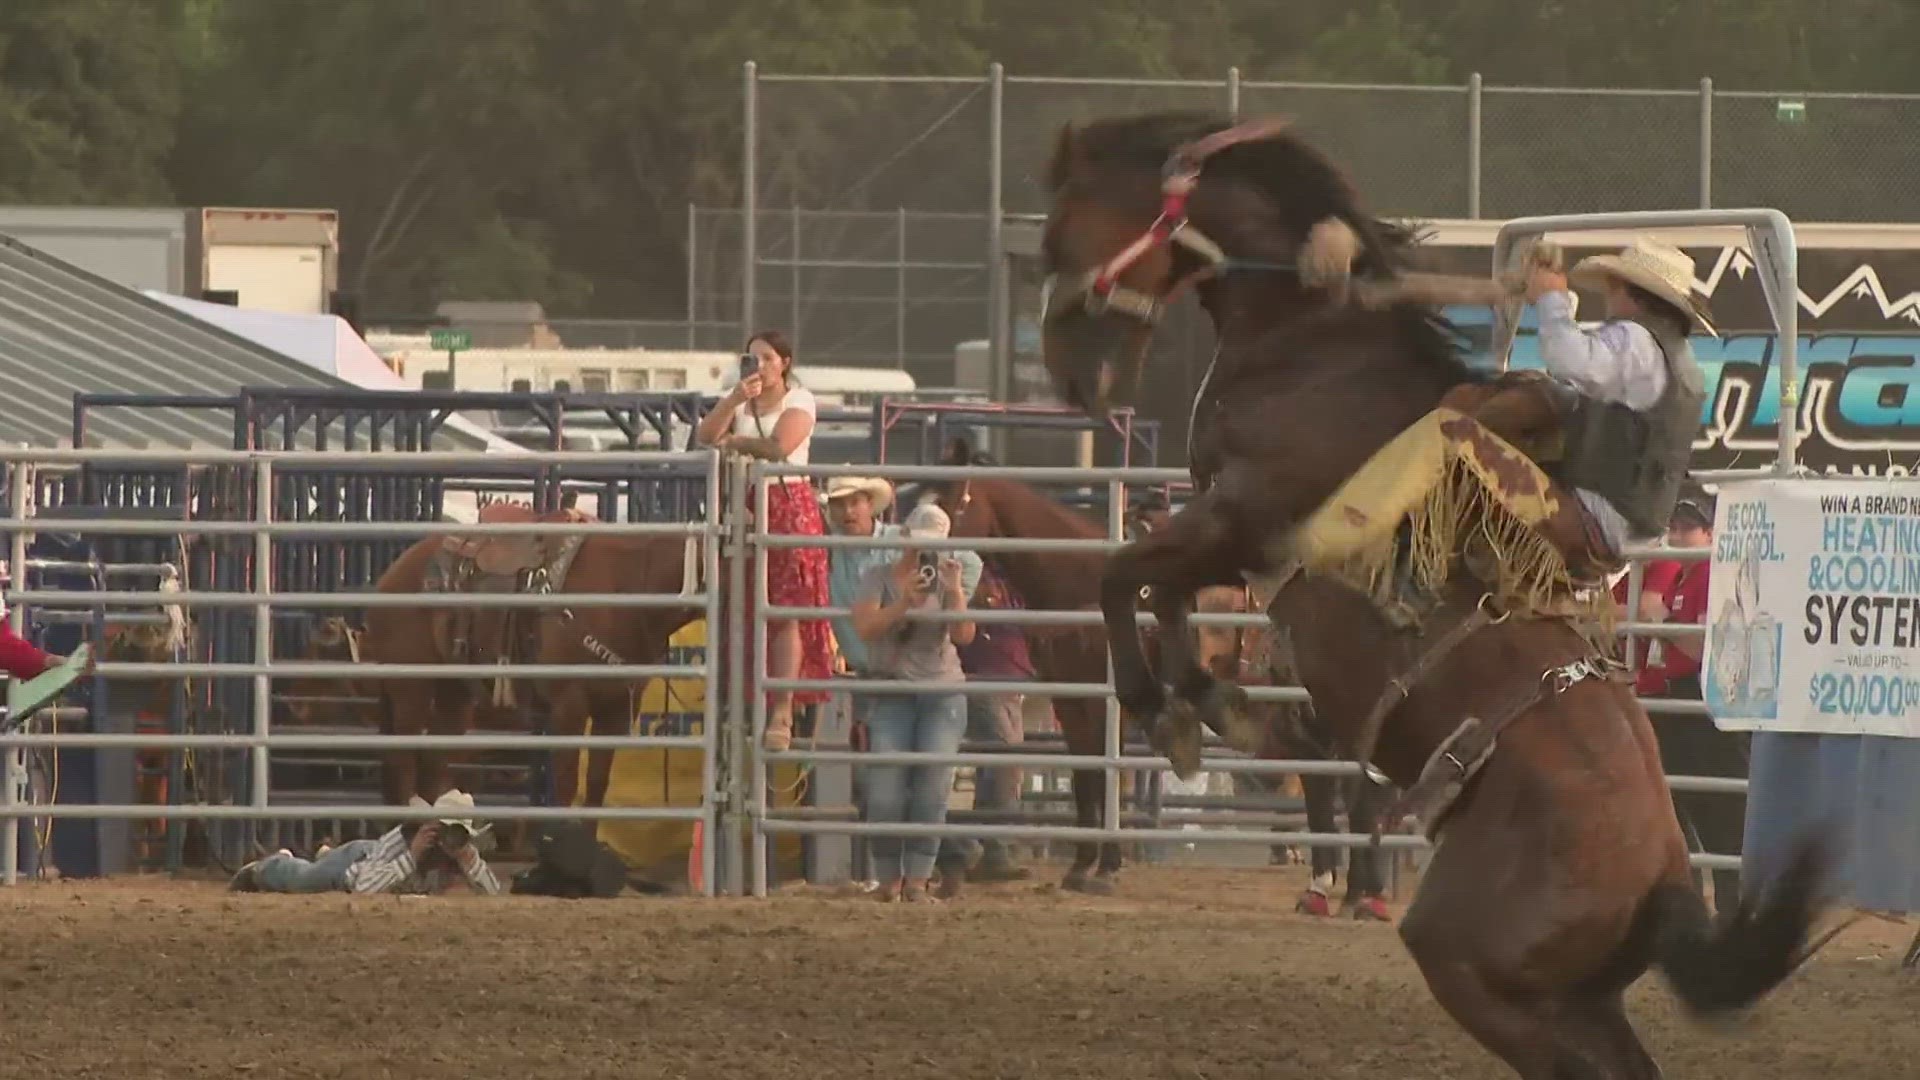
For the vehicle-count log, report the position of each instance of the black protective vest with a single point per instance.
(1637, 460)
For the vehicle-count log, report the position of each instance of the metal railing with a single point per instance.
(734, 543)
(261, 741)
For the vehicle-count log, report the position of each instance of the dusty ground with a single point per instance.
(1193, 973)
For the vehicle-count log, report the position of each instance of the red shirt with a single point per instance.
(1656, 578)
(1686, 601)
(19, 657)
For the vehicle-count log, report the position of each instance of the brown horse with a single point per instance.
(584, 635)
(1562, 874)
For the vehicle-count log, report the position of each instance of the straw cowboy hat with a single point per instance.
(452, 800)
(874, 488)
(1661, 269)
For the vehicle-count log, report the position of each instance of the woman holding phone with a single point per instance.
(928, 722)
(769, 415)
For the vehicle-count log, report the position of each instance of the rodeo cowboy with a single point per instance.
(1622, 399)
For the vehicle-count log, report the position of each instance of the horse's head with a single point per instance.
(969, 503)
(1144, 207)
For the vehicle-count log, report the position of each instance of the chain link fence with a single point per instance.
(877, 204)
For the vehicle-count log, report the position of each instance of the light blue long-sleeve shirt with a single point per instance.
(845, 569)
(1617, 361)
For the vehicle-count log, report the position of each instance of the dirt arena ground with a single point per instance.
(1192, 973)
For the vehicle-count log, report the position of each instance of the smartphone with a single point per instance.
(749, 366)
(929, 571)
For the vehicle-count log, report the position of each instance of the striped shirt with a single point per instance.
(389, 868)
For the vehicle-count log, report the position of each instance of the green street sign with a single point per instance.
(1790, 111)
(450, 340)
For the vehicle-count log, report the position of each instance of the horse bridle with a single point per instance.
(1099, 290)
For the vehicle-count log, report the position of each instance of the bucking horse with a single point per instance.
(1434, 622)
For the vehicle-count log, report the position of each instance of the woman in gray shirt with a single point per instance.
(929, 722)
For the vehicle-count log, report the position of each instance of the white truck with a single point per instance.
(267, 259)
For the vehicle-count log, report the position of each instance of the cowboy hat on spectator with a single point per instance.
(875, 489)
(453, 800)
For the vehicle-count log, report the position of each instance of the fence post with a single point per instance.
(693, 278)
(1233, 93)
(900, 290)
(1475, 97)
(735, 719)
(758, 488)
(713, 796)
(262, 627)
(19, 477)
(1111, 740)
(997, 321)
(793, 301)
(1706, 144)
(749, 193)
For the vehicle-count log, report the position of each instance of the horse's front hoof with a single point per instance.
(1314, 904)
(1177, 735)
(1369, 909)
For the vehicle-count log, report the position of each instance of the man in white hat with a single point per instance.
(1636, 391)
(414, 857)
(855, 505)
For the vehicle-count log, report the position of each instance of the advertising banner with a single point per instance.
(1813, 616)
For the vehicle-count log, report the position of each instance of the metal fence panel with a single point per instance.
(1835, 158)
(1577, 152)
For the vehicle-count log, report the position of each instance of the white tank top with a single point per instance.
(747, 425)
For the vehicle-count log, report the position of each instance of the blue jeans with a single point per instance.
(291, 874)
(910, 723)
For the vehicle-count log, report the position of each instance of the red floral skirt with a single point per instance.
(797, 577)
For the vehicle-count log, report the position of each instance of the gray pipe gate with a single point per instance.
(734, 796)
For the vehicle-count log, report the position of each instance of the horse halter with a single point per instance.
(1099, 289)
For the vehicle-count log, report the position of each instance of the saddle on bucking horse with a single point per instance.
(499, 564)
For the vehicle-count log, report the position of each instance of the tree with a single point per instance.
(89, 96)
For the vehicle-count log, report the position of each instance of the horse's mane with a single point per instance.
(1129, 152)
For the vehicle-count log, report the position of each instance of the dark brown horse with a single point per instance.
(1562, 874)
(583, 635)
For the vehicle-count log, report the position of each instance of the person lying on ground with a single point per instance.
(414, 858)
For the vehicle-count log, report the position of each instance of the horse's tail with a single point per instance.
(1721, 967)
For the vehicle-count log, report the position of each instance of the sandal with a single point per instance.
(891, 892)
(778, 738)
(916, 892)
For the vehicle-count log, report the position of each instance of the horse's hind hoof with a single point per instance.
(1369, 909)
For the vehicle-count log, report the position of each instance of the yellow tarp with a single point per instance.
(672, 777)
